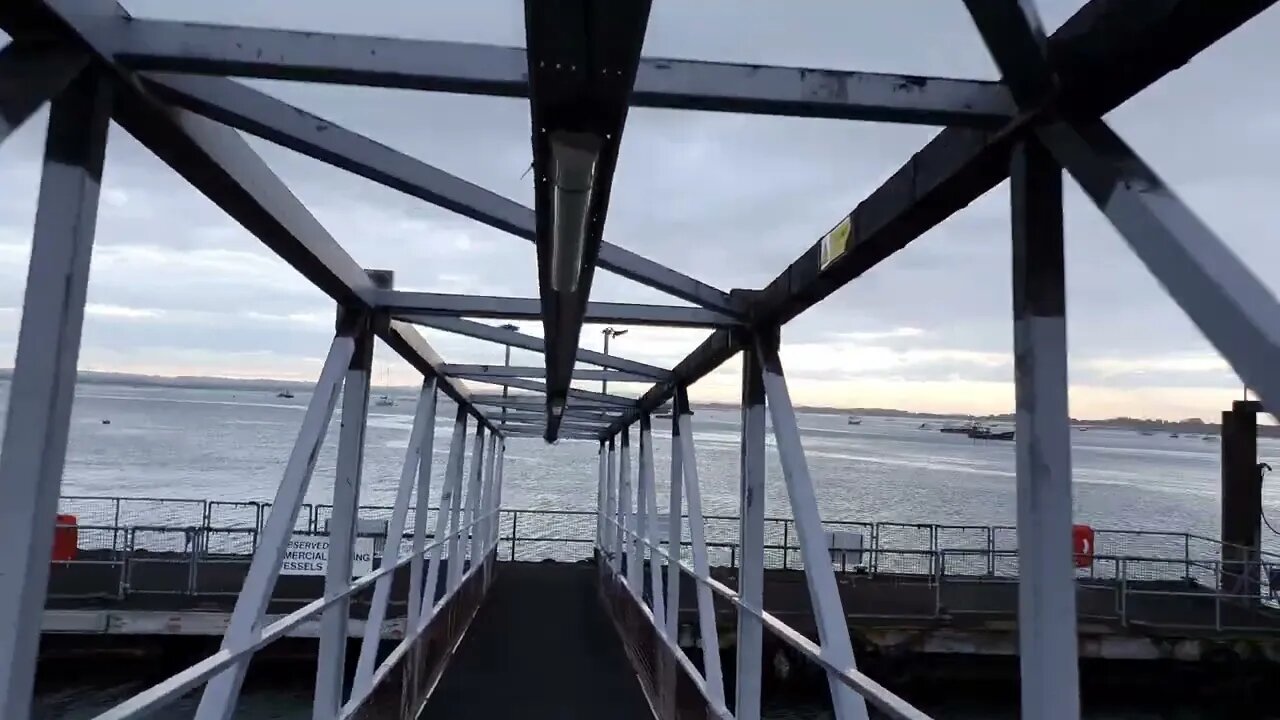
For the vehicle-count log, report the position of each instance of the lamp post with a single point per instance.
(608, 333)
(506, 362)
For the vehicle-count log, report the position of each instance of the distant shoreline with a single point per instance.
(1193, 426)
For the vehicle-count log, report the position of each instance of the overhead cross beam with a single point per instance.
(1103, 55)
(413, 305)
(218, 162)
(518, 371)
(493, 70)
(481, 331)
(574, 393)
(258, 113)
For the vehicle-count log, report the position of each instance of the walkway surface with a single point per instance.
(541, 646)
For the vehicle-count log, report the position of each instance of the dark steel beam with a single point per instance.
(536, 402)
(258, 113)
(582, 61)
(491, 70)
(32, 72)
(481, 331)
(413, 305)
(478, 371)
(1103, 55)
(1014, 33)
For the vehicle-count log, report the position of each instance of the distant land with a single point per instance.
(1185, 425)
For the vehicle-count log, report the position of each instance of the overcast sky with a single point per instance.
(179, 288)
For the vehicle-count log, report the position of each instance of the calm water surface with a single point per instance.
(196, 443)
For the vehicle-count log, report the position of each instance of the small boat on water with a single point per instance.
(1147, 432)
(1173, 435)
(981, 432)
(855, 421)
(385, 401)
(285, 394)
(959, 429)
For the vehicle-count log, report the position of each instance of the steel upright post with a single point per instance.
(424, 421)
(601, 488)
(626, 516)
(497, 492)
(1046, 588)
(423, 503)
(833, 632)
(697, 538)
(751, 540)
(473, 495)
(611, 507)
(674, 536)
(647, 508)
(450, 496)
(332, 653)
(457, 463)
(44, 374)
(480, 541)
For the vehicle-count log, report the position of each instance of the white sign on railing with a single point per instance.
(309, 555)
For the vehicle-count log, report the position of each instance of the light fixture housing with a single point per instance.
(574, 158)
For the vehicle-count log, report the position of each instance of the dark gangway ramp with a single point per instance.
(540, 646)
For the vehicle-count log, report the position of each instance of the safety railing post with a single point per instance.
(515, 519)
(751, 541)
(44, 375)
(1046, 576)
(833, 633)
(427, 403)
(447, 515)
(218, 701)
(457, 459)
(646, 507)
(701, 565)
(624, 508)
(423, 424)
(499, 469)
(332, 652)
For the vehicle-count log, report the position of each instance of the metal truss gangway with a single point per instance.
(169, 85)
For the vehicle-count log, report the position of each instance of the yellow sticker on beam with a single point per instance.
(835, 242)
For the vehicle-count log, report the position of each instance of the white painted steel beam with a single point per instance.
(625, 519)
(698, 540)
(675, 516)
(833, 632)
(1228, 303)
(450, 497)
(751, 497)
(454, 472)
(44, 374)
(1047, 641)
(424, 420)
(494, 70)
(481, 539)
(526, 401)
(611, 507)
(474, 488)
(218, 701)
(332, 653)
(33, 72)
(411, 306)
(481, 331)
(646, 508)
(422, 500)
(497, 492)
(601, 489)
